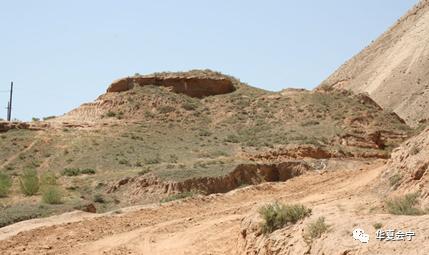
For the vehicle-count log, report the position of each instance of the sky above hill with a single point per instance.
(61, 54)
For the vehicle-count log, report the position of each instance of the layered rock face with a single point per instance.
(408, 169)
(185, 83)
(394, 68)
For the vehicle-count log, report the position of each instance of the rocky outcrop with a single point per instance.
(244, 174)
(393, 69)
(193, 85)
(408, 169)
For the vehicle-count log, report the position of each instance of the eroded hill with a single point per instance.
(151, 141)
(394, 68)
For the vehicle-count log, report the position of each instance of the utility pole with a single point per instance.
(9, 105)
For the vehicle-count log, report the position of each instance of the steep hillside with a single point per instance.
(394, 69)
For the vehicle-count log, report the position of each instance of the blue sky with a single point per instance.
(61, 54)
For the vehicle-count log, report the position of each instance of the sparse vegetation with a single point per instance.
(395, 179)
(189, 106)
(71, 172)
(166, 109)
(405, 205)
(232, 139)
(144, 171)
(87, 171)
(99, 198)
(48, 178)
(377, 225)
(198, 138)
(78, 171)
(20, 212)
(5, 184)
(178, 196)
(29, 182)
(315, 229)
(49, 117)
(52, 195)
(278, 215)
(414, 149)
(154, 160)
(110, 114)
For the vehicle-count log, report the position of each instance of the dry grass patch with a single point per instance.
(278, 215)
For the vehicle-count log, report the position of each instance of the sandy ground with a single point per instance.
(212, 224)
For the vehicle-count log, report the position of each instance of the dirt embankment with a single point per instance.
(244, 174)
(408, 169)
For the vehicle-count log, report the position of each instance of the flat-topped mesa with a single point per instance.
(194, 83)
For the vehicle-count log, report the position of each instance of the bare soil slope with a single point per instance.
(408, 169)
(394, 68)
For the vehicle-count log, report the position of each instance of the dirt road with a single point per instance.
(203, 225)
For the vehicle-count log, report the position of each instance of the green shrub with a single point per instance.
(189, 106)
(98, 198)
(178, 196)
(404, 205)
(29, 182)
(5, 184)
(71, 171)
(166, 109)
(395, 179)
(110, 114)
(232, 139)
(151, 161)
(87, 171)
(310, 123)
(48, 178)
(204, 132)
(277, 215)
(315, 229)
(20, 212)
(49, 117)
(144, 171)
(77, 171)
(52, 195)
(377, 225)
(124, 162)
